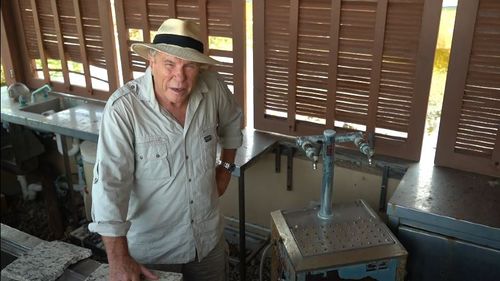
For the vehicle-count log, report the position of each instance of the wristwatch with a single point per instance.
(228, 166)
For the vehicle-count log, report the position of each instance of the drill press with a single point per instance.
(339, 242)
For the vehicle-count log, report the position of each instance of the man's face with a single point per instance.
(174, 78)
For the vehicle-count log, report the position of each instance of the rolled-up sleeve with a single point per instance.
(113, 173)
(230, 117)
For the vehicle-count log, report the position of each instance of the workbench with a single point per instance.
(83, 121)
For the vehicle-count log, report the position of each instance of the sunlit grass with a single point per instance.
(220, 43)
(440, 69)
(2, 77)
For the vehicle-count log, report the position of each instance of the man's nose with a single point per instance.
(179, 73)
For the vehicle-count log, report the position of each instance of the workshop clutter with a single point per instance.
(88, 151)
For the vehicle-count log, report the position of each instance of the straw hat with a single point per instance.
(179, 38)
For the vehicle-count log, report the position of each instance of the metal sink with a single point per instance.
(52, 105)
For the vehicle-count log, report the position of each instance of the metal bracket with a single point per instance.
(289, 168)
(383, 189)
(290, 152)
(67, 168)
(277, 159)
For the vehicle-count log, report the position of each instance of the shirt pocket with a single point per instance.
(151, 160)
(208, 146)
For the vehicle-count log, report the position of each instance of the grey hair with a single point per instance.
(154, 52)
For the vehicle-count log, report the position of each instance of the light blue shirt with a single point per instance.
(154, 180)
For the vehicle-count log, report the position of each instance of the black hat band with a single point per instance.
(179, 40)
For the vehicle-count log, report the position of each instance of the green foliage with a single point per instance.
(441, 60)
(2, 78)
(442, 57)
(55, 68)
(437, 89)
(75, 66)
(220, 43)
(446, 28)
(135, 34)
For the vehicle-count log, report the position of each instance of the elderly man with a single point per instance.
(156, 182)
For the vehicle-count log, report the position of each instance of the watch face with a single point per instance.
(227, 166)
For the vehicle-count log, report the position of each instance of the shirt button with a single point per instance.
(140, 157)
(187, 157)
(191, 202)
(189, 180)
(157, 155)
(192, 221)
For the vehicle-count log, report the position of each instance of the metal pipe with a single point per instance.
(358, 139)
(243, 247)
(313, 145)
(325, 211)
(348, 137)
(383, 189)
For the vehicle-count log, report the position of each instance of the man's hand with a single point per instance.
(222, 177)
(127, 269)
(122, 267)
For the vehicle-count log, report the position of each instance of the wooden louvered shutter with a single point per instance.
(221, 18)
(346, 64)
(469, 134)
(64, 31)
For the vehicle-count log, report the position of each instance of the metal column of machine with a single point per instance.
(347, 241)
(313, 145)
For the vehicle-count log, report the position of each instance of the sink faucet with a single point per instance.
(45, 89)
(325, 144)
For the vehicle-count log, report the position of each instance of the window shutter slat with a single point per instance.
(356, 63)
(60, 46)
(399, 65)
(216, 19)
(39, 40)
(82, 43)
(62, 36)
(471, 110)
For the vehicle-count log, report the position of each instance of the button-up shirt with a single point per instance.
(154, 180)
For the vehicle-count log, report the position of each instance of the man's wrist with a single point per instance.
(226, 165)
(116, 248)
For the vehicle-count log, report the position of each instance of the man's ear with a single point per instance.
(151, 59)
